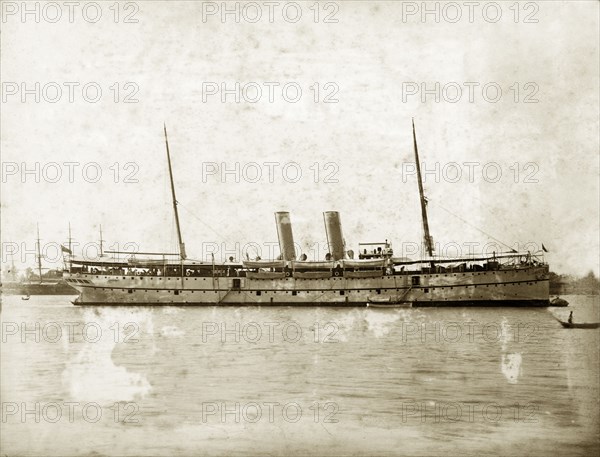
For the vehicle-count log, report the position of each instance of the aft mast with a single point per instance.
(69, 250)
(181, 243)
(428, 239)
(39, 254)
(70, 239)
(101, 241)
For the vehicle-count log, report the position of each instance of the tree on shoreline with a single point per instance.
(568, 284)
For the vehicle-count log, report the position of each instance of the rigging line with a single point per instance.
(471, 225)
(212, 229)
(202, 222)
(172, 243)
(485, 207)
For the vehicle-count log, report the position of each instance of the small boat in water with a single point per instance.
(386, 302)
(576, 325)
(26, 297)
(559, 302)
(389, 305)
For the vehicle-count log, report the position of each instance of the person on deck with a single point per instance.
(571, 317)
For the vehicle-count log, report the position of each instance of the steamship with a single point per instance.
(372, 277)
(49, 283)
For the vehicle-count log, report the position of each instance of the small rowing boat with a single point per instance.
(576, 325)
(386, 302)
(389, 305)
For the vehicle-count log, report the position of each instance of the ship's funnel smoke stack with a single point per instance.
(335, 239)
(285, 235)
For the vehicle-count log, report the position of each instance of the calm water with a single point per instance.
(310, 381)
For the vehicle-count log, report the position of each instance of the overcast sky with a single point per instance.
(540, 133)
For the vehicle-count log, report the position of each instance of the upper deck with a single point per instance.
(371, 266)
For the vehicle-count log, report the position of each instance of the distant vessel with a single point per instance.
(44, 287)
(48, 284)
(375, 277)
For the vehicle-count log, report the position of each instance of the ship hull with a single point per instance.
(510, 287)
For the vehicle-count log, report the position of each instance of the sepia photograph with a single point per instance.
(299, 228)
